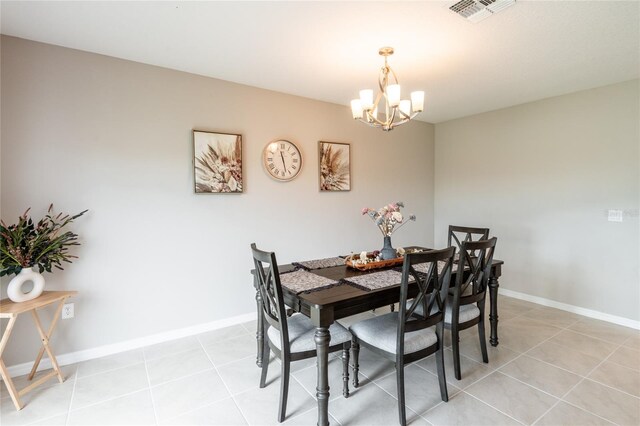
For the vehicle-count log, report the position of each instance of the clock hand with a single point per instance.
(283, 165)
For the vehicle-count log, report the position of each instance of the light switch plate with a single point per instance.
(615, 215)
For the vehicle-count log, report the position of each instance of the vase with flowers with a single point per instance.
(388, 219)
(27, 245)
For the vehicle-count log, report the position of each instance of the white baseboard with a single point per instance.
(570, 308)
(100, 351)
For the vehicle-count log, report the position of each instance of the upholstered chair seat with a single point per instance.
(302, 331)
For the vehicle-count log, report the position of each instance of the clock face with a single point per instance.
(282, 160)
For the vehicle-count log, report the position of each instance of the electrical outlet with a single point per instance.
(67, 311)
(615, 215)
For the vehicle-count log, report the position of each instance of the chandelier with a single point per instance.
(395, 110)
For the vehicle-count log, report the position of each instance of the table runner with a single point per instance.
(328, 262)
(301, 281)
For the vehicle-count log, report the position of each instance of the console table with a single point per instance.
(12, 310)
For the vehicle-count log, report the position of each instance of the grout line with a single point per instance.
(491, 406)
(73, 393)
(223, 382)
(562, 398)
(153, 402)
(109, 370)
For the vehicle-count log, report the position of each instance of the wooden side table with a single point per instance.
(11, 310)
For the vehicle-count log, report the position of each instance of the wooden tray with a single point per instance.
(376, 265)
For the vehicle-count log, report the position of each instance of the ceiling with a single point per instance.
(329, 50)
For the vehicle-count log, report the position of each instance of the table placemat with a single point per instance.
(301, 281)
(375, 280)
(422, 267)
(328, 262)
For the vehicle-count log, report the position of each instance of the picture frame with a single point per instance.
(217, 162)
(334, 166)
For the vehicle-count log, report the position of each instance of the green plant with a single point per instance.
(43, 244)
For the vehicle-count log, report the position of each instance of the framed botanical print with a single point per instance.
(217, 162)
(334, 166)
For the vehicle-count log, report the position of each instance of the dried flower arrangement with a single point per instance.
(387, 217)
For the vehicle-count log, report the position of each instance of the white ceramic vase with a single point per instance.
(14, 291)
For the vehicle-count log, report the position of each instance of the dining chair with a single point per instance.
(467, 299)
(406, 336)
(458, 234)
(291, 338)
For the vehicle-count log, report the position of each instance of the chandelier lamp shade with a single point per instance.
(394, 110)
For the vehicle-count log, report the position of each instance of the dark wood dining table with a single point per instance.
(325, 306)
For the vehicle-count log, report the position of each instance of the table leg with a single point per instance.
(322, 338)
(493, 309)
(15, 397)
(259, 329)
(45, 343)
(52, 327)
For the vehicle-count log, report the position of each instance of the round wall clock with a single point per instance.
(282, 160)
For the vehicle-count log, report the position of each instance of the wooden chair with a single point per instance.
(458, 234)
(407, 335)
(290, 338)
(466, 306)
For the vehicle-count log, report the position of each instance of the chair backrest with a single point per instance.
(460, 234)
(474, 270)
(428, 306)
(268, 279)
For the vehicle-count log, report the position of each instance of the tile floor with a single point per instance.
(551, 368)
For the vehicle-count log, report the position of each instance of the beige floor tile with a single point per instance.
(515, 304)
(464, 409)
(522, 335)
(358, 409)
(585, 344)
(180, 396)
(552, 316)
(564, 357)
(471, 371)
(68, 373)
(40, 404)
(498, 355)
(512, 397)
(223, 334)
(132, 409)
(243, 375)
(231, 350)
(170, 348)
(373, 366)
(606, 402)
(308, 378)
(260, 406)
(422, 389)
(541, 375)
(111, 362)
(617, 376)
(627, 357)
(633, 342)
(251, 327)
(59, 420)
(108, 385)
(310, 418)
(178, 365)
(221, 413)
(603, 330)
(567, 414)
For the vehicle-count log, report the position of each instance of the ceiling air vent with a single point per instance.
(477, 10)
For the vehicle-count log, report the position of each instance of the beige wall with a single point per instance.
(542, 176)
(88, 131)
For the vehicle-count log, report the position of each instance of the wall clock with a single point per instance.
(282, 160)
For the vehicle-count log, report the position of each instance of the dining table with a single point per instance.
(326, 305)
